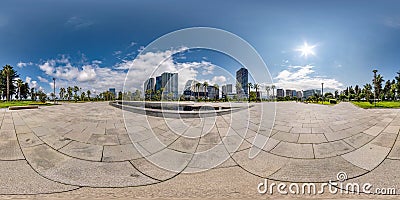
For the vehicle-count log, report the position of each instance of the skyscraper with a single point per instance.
(226, 90)
(169, 81)
(242, 79)
(149, 85)
(158, 83)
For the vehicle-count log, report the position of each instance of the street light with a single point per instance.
(54, 89)
(323, 98)
(375, 85)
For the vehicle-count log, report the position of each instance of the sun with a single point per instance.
(306, 50)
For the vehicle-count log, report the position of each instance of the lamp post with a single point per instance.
(54, 89)
(375, 85)
(322, 93)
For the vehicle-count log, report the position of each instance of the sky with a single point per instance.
(93, 43)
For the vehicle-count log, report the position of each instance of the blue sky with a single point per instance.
(86, 42)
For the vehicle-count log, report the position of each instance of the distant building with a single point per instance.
(288, 93)
(212, 92)
(226, 90)
(149, 85)
(280, 93)
(169, 81)
(294, 93)
(189, 90)
(299, 94)
(158, 83)
(309, 93)
(242, 79)
(112, 90)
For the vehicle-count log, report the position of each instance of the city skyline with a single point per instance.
(87, 49)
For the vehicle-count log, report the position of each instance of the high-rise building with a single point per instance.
(158, 83)
(280, 93)
(308, 93)
(149, 87)
(242, 79)
(169, 81)
(294, 93)
(212, 92)
(226, 90)
(189, 90)
(288, 93)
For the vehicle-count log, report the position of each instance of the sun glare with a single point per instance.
(306, 50)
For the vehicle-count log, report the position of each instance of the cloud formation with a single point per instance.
(303, 78)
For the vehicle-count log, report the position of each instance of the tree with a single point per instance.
(367, 91)
(69, 92)
(62, 93)
(88, 94)
(256, 87)
(205, 85)
(42, 96)
(8, 77)
(20, 84)
(267, 88)
(273, 91)
(249, 86)
(216, 88)
(198, 85)
(76, 89)
(33, 94)
(83, 94)
(24, 91)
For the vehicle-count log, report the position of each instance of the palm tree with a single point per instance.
(205, 85)
(76, 89)
(267, 88)
(62, 93)
(83, 96)
(7, 70)
(69, 92)
(273, 91)
(20, 84)
(249, 86)
(256, 87)
(198, 85)
(398, 83)
(367, 91)
(375, 85)
(88, 94)
(216, 88)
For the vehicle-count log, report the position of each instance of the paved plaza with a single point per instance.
(97, 150)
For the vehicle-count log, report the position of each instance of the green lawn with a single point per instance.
(6, 104)
(384, 104)
(321, 103)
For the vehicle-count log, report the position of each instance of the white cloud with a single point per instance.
(41, 79)
(219, 80)
(303, 78)
(78, 23)
(87, 74)
(32, 84)
(23, 64)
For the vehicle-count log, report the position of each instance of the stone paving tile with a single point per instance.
(28, 139)
(299, 130)
(385, 140)
(331, 149)
(152, 170)
(187, 145)
(101, 139)
(55, 141)
(264, 164)
(316, 170)
(208, 159)
(25, 180)
(311, 138)
(10, 150)
(83, 151)
(120, 153)
(367, 157)
(395, 152)
(22, 129)
(374, 131)
(287, 137)
(293, 150)
(392, 129)
(358, 140)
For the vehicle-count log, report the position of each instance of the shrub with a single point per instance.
(332, 101)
